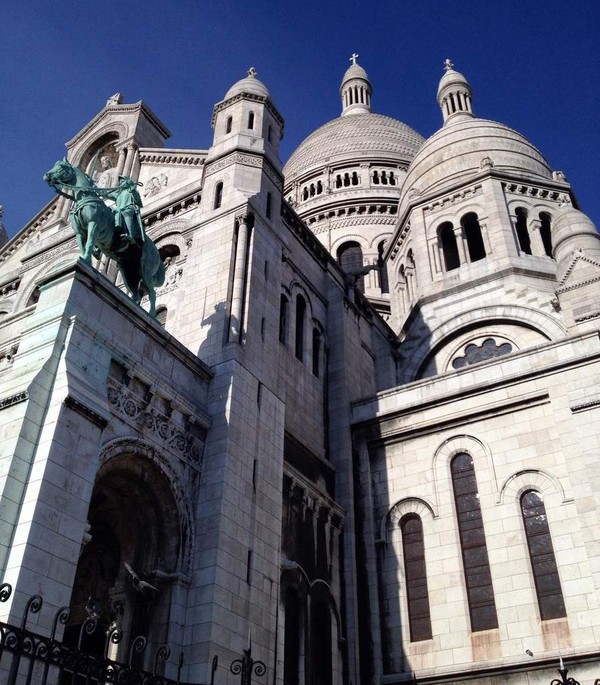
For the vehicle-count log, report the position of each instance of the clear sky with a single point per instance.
(532, 64)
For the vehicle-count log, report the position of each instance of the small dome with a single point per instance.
(354, 71)
(572, 223)
(452, 78)
(250, 85)
(362, 136)
(457, 152)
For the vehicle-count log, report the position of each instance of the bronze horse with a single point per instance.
(93, 223)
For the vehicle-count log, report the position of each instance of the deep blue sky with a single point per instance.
(533, 65)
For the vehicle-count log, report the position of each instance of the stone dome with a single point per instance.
(573, 226)
(354, 71)
(460, 150)
(250, 85)
(361, 136)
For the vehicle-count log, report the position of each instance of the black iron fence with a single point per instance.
(27, 658)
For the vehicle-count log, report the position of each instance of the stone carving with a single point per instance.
(107, 176)
(147, 419)
(155, 185)
(97, 232)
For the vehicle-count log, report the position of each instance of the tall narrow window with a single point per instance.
(218, 195)
(522, 231)
(472, 232)
(478, 577)
(545, 233)
(541, 552)
(251, 120)
(416, 579)
(384, 283)
(228, 125)
(300, 316)
(316, 351)
(321, 643)
(350, 257)
(284, 305)
(447, 241)
(269, 133)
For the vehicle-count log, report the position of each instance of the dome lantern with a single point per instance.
(454, 95)
(355, 90)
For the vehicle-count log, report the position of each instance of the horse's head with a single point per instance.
(62, 173)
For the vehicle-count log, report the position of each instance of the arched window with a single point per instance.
(319, 187)
(354, 178)
(376, 178)
(478, 577)
(169, 253)
(392, 179)
(269, 133)
(218, 195)
(350, 258)
(316, 351)
(447, 241)
(522, 231)
(384, 283)
(384, 178)
(305, 194)
(546, 233)
(338, 181)
(312, 191)
(413, 549)
(472, 233)
(269, 208)
(228, 125)
(284, 305)
(300, 316)
(346, 180)
(34, 297)
(541, 552)
(161, 316)
(251, 120)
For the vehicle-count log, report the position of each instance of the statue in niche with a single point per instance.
(106, 176)
(116, 233)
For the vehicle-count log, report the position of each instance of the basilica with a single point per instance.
(359, 434)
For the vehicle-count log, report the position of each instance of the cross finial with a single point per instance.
(448, 65)
(252, 72)
(353, 57)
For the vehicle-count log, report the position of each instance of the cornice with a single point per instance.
(173, 157)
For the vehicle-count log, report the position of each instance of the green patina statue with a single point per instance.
(119, 234)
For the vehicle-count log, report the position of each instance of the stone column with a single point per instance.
(460, 244)
(239, 280)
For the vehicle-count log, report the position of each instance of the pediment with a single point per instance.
(581, 271)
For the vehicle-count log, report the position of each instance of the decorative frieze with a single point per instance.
(173, 158)
(148, 420)
(235, 158)
(453, 198)
(172, 210)
(536, 191)
(18, 397)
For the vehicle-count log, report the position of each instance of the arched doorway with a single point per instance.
(126, 569)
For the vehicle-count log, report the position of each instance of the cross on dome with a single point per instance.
(448, 65)
(252, 72)
(353, 57)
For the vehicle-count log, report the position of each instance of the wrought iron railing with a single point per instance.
(28, 658)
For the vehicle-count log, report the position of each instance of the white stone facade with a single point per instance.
(258, 453)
